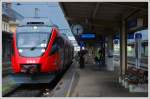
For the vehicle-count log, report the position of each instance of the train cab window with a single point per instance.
(32, 44)
(54, 47)
(57, 45)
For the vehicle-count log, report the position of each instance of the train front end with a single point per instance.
(31, 57)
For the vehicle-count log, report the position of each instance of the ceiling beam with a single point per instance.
(104, 26)
(130, 14)
(95, 10)
(129, 5)
(100, 21)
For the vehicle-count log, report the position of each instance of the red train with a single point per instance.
(39, 48)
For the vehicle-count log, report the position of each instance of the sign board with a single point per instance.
(135, 24)
(87, 36)
(132, 23)
(130, 36)
(138, 36)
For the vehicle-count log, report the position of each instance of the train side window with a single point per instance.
(60, 42)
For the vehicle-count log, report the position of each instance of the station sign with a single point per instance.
(135, 24)
(132, 23)
(87, 36)
(138, 36)
(130, 36)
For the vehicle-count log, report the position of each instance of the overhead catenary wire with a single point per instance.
(34, 4)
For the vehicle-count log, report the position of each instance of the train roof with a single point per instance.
(36, 21)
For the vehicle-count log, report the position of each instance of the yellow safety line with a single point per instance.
(68, 93)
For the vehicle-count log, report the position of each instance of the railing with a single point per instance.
(132, 61)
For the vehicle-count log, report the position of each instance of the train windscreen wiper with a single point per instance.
(34, 47)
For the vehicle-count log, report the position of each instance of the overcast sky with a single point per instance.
(51, 10)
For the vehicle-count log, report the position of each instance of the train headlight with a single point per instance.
(35, 27)
(43, 50)
(20, 50)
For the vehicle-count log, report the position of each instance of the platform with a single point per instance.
(95, 82)
(67, 84)
(92, 81)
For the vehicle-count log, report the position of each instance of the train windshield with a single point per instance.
(32, 43)
(32, 40)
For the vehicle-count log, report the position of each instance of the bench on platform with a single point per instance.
(135, 79)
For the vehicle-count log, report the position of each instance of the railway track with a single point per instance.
(27, 91)
(35, 90)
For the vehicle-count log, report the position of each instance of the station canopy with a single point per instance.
(100, 17)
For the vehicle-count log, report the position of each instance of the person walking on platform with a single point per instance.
(97, 57)
(100, 57)
(103, 57)
(82, 60)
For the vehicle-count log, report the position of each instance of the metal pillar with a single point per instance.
(110, 42)
(109, 53)
(123, 48)
(138, 38)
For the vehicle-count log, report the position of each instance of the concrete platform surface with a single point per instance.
(67, 83)
(95, 82)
